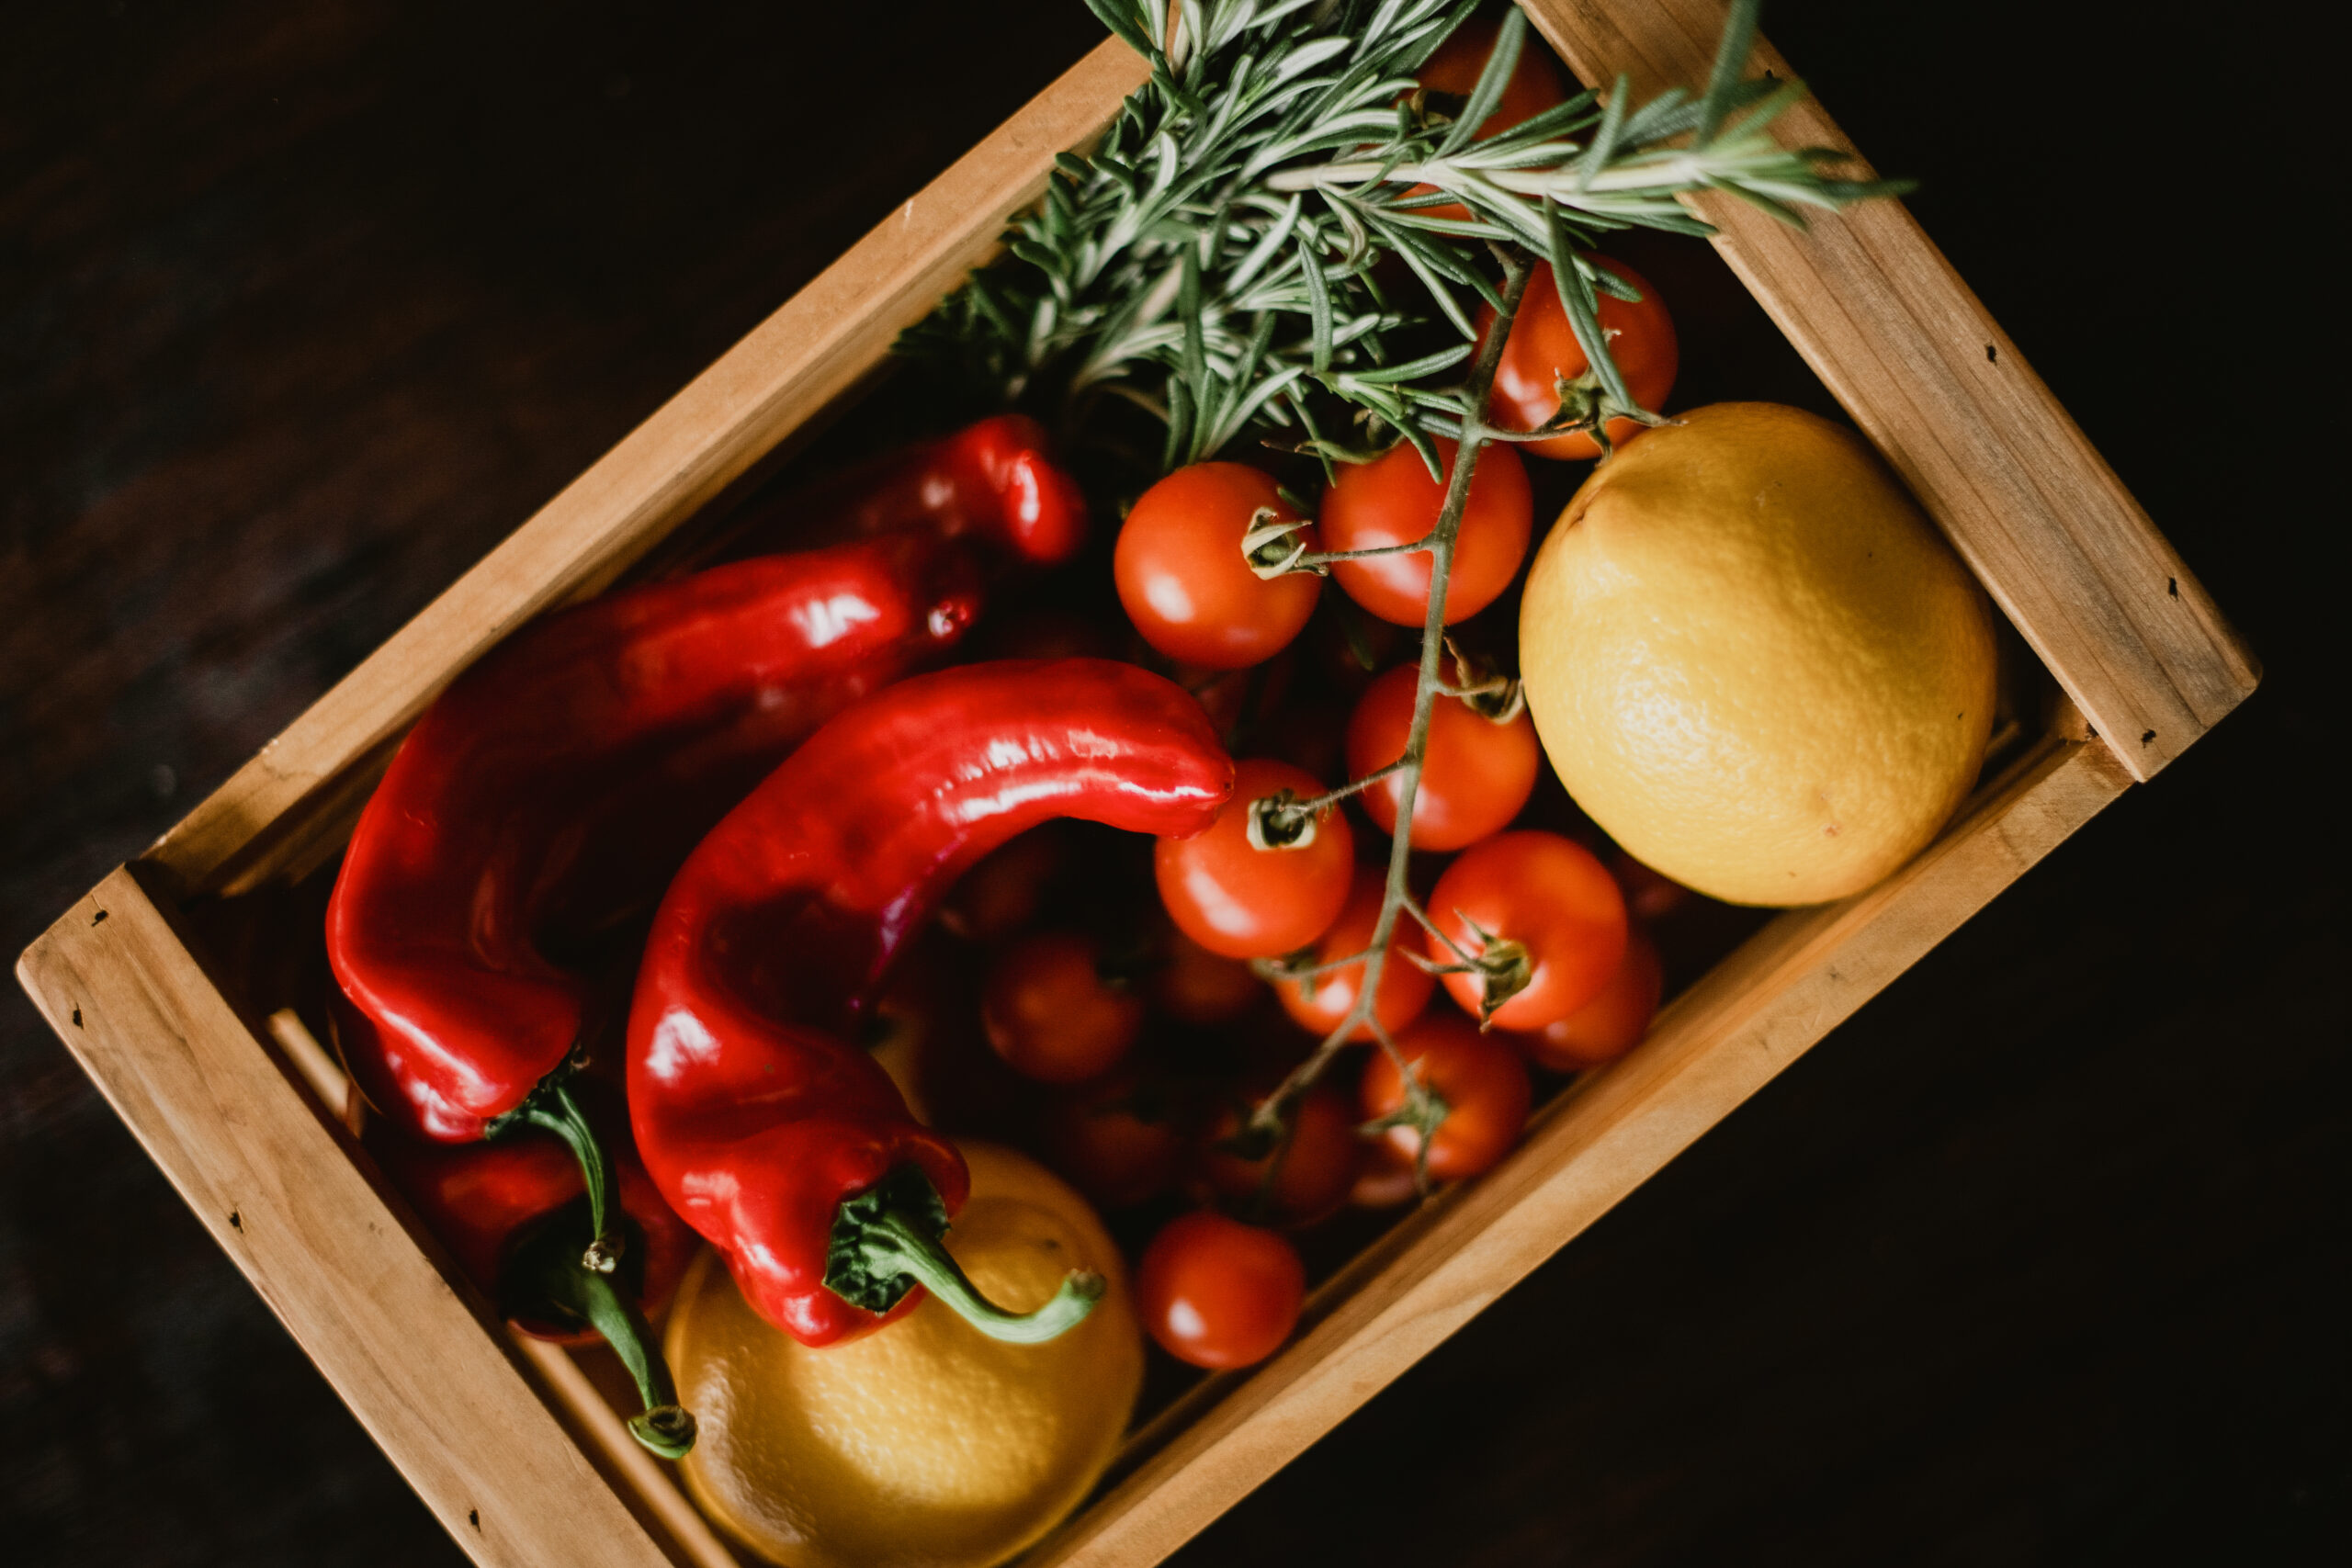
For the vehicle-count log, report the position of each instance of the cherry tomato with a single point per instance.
(1300, 1179)
(1552, 897)
(1218, 1293)
(1003, 891)
(1114, 1142)
(1243, 902)
(1475, 777)
(1533, 87)
(1197, 985)
(1534, 84)
(1650, 894)
(1611, 1023)
(1384, 1178)
(1543, 349)
(1393, 500)
(1318, 1002)
(1237, 701)
(1181, 575)
(1051, 1015)
(1480, 1079)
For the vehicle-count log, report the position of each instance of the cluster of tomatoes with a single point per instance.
(1135, 1015)
(1134, 1049)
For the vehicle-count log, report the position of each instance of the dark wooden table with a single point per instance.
(305, 303)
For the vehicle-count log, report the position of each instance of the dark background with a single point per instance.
(305, 303)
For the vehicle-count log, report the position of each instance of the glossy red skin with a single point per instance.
(1184, 580)
(1611, 1023)
(1405, 986)
(570, 771)
(1216, 1293)
(755, 1116)
(1051, 1016)
(1393, 500)
(1242, 902)
(1311, 1173)
(1549, 893)
(994, 479)
(480, 1199)
(1533, 87)
(1480, 1077)
(1475, 777)
(1542, 348)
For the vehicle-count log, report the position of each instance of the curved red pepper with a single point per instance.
(788, 1148)
(513, 1214)
(680, 694)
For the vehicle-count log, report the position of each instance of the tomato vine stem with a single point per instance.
(1396, 898)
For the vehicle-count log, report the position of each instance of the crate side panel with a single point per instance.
(278, 1189)
(786, 370)
(1717, 1044)
(1912, 353)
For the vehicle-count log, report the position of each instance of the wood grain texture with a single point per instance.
(279, 1191)
(1923, 369)
(286, 806)
(1713, 1047)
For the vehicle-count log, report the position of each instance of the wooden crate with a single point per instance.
(505, 1445)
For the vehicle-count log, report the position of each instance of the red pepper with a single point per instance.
(516, 1216)
(992, 479)
(788, 1147)
(629, 725)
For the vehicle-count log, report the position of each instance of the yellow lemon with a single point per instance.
(1753, 662)
(924, 1442)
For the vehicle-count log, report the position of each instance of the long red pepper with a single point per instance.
(516, 1216)
(568, 771)
(788, 1147)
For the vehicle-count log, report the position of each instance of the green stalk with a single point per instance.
(544, 1280)
(886, 1241)
(552, 1108)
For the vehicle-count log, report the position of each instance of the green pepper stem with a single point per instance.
(894, 1242)
(552, 1108)
(552, 1278)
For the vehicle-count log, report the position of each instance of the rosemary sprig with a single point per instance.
(1212, 263)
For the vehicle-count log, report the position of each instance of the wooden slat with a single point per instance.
(1718, 1043)
(786, 370)
(275, 1184)
(1888, 325)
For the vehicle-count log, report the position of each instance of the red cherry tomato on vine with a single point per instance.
(1611, 1023)
(1475, 777)
(1183, 580)
(1480, 1079)
(1218, 1293)
(1543, 349)
(1534, 85)
(1243, 902)
(1052, 1015)
(1393, 500)
(1552, 898)
(1320, 1001)
(1004, 891)
(1198, 986)
(1298, 1180)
